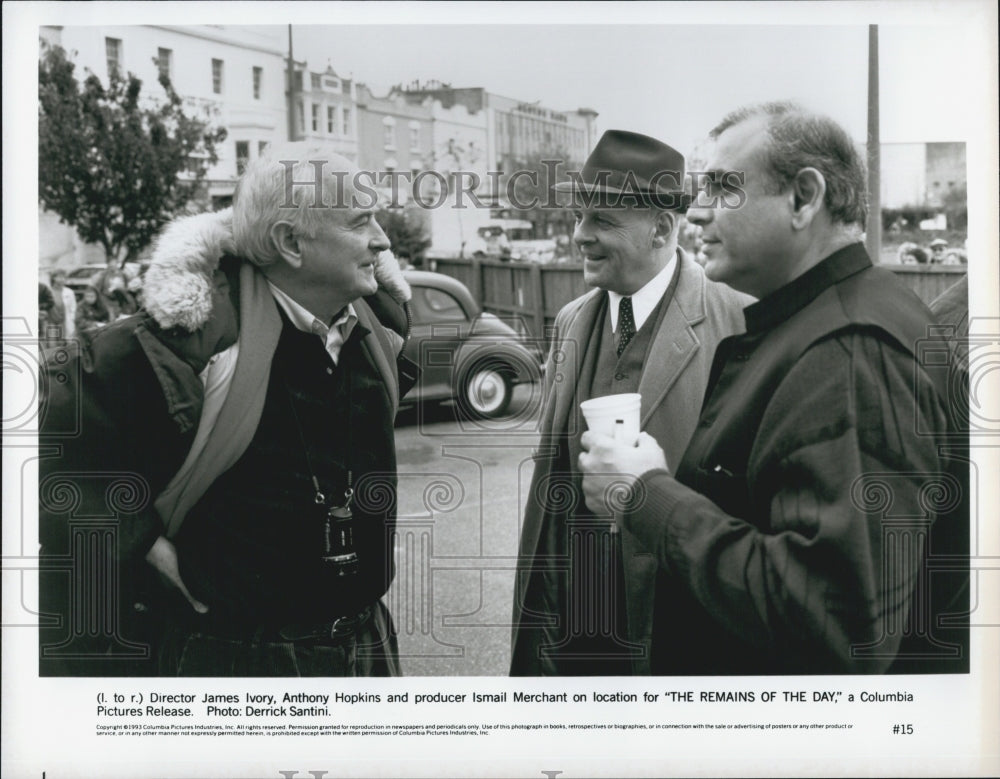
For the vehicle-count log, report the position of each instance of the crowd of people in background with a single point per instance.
(936, 253)
(56, 309)
(110, 295)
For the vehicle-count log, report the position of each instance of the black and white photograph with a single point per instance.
(503, 389)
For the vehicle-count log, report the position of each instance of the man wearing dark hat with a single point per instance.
(583, 599)
(818, 521)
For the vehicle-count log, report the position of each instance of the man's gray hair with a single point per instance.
(802, 139)
(265, 195)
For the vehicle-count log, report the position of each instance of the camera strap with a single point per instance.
(339, 515)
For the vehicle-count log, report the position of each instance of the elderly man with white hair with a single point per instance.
(250, 408)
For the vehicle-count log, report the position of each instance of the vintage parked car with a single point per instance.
(464, 353)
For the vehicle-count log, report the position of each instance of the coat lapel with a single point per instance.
(575, 344)
(573, 341)
(377, 351)
(674, 343)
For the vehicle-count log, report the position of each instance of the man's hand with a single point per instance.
(162, 556)
(610, 469)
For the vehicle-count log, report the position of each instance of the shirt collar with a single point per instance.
(799, 292)
(645, 299)
(303, 320)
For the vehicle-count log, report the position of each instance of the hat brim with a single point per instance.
(616, 197)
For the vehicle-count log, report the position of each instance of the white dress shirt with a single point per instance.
(645, 299)
(333, 336)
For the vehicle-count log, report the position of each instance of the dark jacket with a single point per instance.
(813, 499)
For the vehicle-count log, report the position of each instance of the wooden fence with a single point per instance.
(928, 281)
(523, 291)
(533, 294)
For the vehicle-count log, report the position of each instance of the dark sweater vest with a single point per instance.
(251, 548)
(614, 374)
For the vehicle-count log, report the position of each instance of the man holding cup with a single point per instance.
(583, 593)
(818, 520)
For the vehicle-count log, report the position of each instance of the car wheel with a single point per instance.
(486, 391)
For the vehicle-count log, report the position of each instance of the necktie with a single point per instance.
(626, 324)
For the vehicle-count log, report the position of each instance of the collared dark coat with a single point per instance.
(818, 521)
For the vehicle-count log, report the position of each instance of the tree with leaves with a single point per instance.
(406, 229)
(113, 163)
(456, 156)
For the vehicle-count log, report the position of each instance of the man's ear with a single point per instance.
(663, 227)
(286, 243)
(808, 196)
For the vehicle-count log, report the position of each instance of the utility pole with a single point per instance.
(873, 231)
(290, 92)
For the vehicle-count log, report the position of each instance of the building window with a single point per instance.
(302, 117)
(389, 132)
(242, 156)
(164, 61)
(113, 51)
(217, 76)
(261, 148)
(346, 113)
(331, 120)
(258, 77)
(316, 80)
(414, 138)
(315, 118)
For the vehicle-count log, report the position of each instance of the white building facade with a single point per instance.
(234, 77)
(325, 109)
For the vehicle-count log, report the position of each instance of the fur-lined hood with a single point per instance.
(177, 288)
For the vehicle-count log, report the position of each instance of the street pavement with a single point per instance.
(462, 488)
